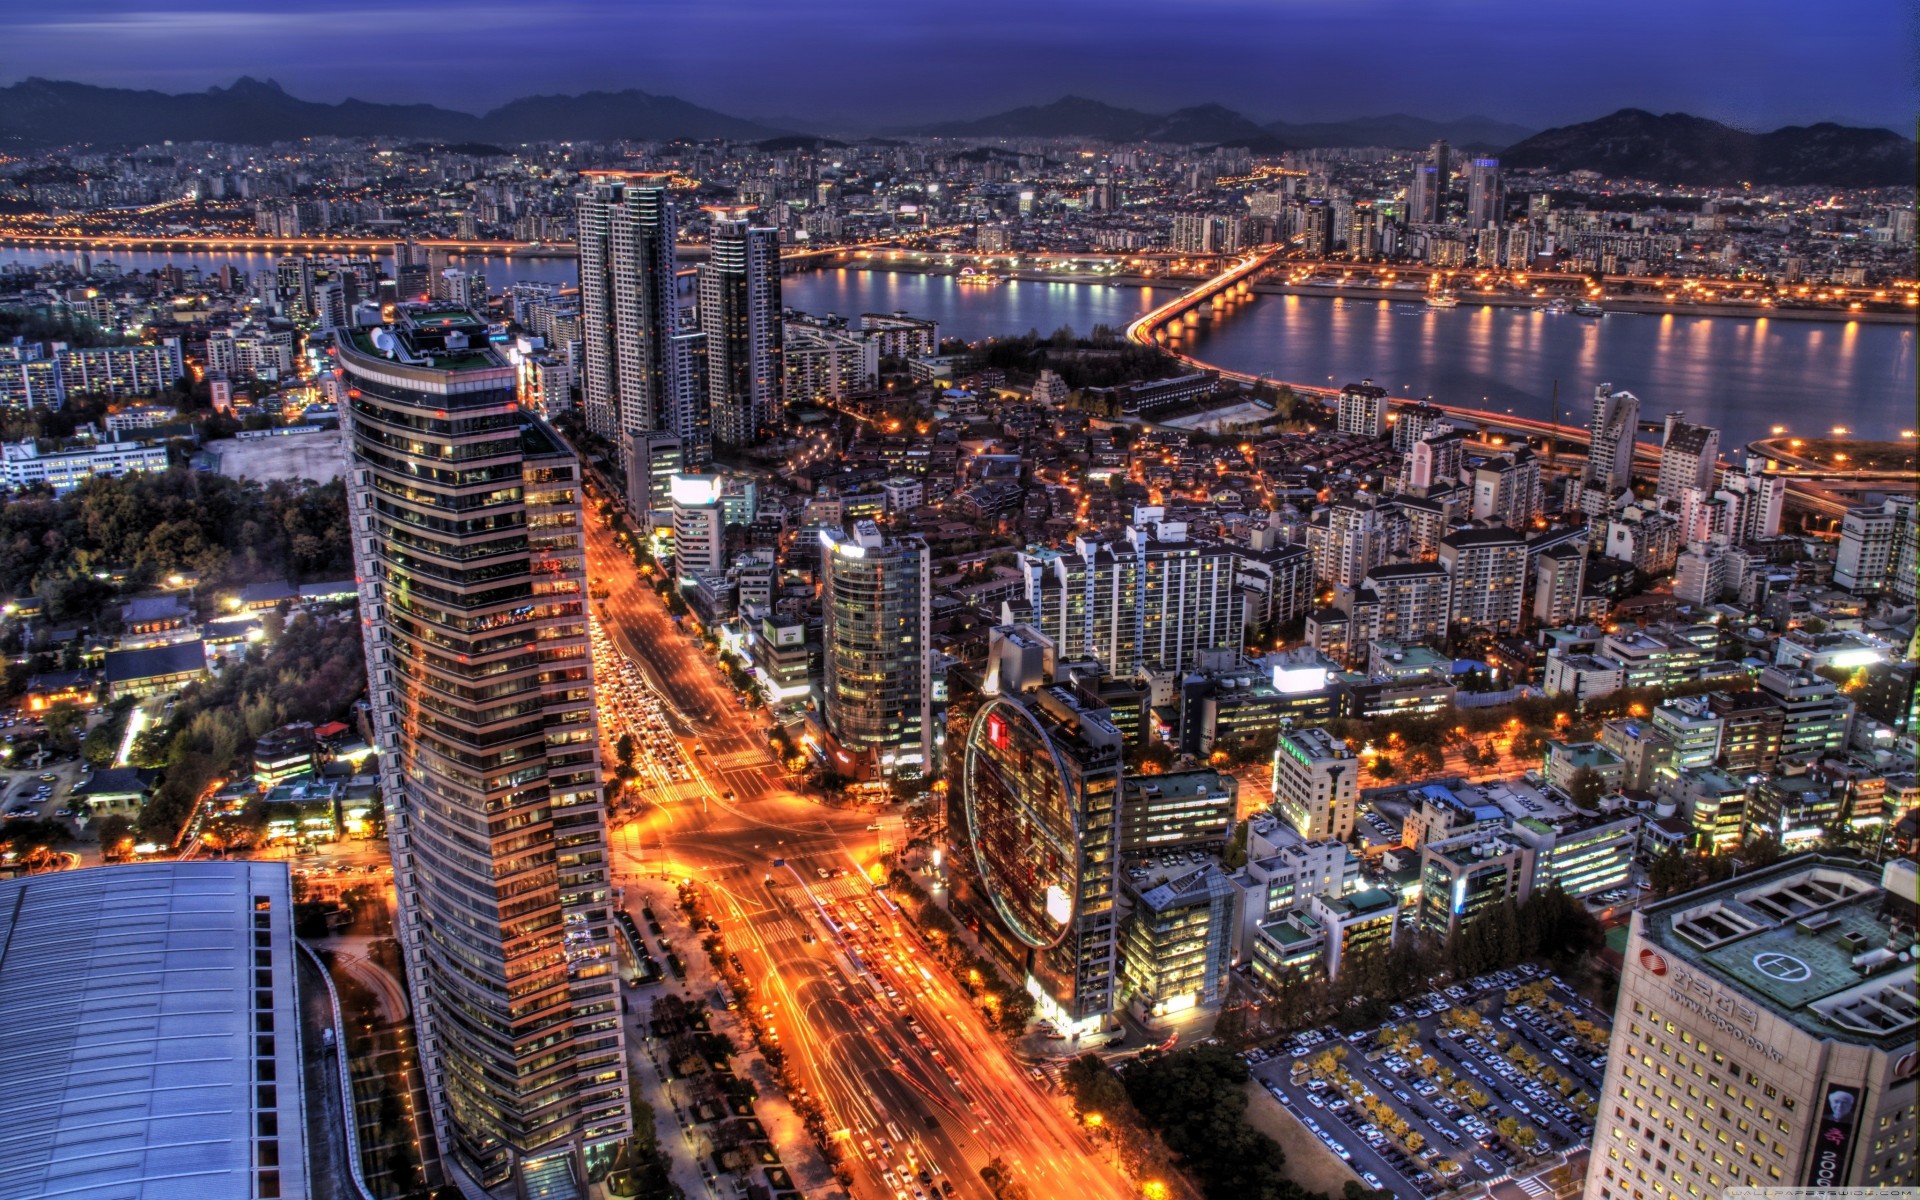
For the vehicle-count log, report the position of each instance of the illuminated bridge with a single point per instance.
(1170, 324)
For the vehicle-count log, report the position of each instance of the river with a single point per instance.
(1742, 375)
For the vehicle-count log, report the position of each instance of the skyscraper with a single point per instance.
(878, 689)
(640, 371)
(1486, 193)
(740, 315)
(466, 524)
(1423, 195)
(1041, 794)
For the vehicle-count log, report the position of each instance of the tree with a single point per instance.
(115, 834)
(1235, 855)
(1585, 787)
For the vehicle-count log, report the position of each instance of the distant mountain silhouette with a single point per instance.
(1079, 117)
(45, 112)
(1400, 131)
(1684, 149)
(1069, 116)
(1673, 148)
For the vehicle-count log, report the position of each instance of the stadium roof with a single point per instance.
(142, 1060)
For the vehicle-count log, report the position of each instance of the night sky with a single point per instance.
(879, 63)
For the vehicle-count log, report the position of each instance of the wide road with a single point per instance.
(911, 1081)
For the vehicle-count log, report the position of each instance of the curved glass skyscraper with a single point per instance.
(468, 551)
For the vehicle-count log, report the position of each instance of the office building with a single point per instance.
(1176, 943)
(1177, 810)
(1354, 924)
(1687, 455)
(1615, 422)
(1462, 877)
(640, 371)
(1148, 598)
(1486, 194)
(740, 315)
(1814, 716)
(152, 1018)
(1040, 791)
(1582, 855)
(1489, 572)
(473, 592)
(1315, 783)
(1764, 1037)
(877, 691)
(1362, 409)
(699, 527)
(653, 459)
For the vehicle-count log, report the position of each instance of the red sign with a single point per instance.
(1653, 962)
(996, 731)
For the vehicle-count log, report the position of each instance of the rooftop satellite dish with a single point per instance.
(384, 342)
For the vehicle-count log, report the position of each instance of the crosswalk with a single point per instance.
(1532, 1186)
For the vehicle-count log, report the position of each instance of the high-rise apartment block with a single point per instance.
(740, 315)
(1363, 409)
(640, 371)
(1150, 598)
(1489, 570)
(1687, 456)
(1877, 548)
(1616, 419)
(878, 688)
(466, 526)
(1764, 1037)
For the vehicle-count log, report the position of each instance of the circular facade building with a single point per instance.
(1023, 822)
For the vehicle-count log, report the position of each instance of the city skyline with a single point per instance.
(1711, 61)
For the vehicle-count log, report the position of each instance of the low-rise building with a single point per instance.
(1176, 943)
(154, 670)
(24, 464)
(1183, 809)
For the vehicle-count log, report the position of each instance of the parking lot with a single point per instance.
(1469, 1084)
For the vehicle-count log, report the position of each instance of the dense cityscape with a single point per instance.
(719, 662)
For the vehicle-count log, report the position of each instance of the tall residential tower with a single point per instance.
(641, 371)
(740, 315)
(467, 544)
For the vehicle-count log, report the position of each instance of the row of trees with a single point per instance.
(1551, 926)
(1007, 1004)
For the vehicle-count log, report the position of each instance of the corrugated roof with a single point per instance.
(134, 1066)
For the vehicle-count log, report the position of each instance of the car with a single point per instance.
(49, 777)
(1371, 1180)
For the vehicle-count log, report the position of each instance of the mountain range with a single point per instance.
(46, 112)
(1670, 148)
(1678, 148)
(1077, 116)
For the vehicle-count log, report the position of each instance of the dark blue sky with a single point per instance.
(876, 63)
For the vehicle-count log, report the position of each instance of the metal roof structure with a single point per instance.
(149, 1034)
